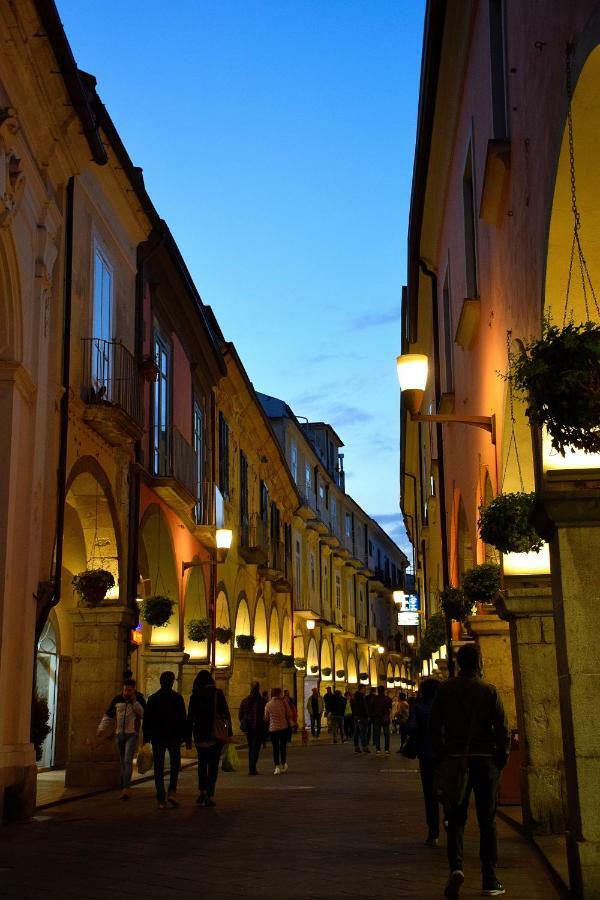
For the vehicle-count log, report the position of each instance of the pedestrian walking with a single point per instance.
(278, 718)
(252, 722)
(294, 712)
(469, 728)
(420, 734)
(126, 713)
(209, 725)
(361, 720)
(403, 715)
(348, 717)
(328, 701)
(381, 711)
(138, 695)
(338, 709)
(165, 728)
(314, 707)
(370, 698)
(265, 696)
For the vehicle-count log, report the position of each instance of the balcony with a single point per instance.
(308, 506)
(254, 540)
(307, 607)
(174, 476)
(274, 568)
(209, 514)
(112, 391)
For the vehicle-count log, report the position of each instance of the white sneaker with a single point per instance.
(277, 771)
(284, 768)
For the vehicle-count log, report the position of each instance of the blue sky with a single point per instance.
(277, 139)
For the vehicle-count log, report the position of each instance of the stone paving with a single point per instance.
(338, 825)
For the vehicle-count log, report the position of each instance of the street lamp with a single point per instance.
(380, 649)
(399, 597)
(412, 371)
(310, 624)
(410, 639)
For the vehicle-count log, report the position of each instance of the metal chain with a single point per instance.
(513, 437)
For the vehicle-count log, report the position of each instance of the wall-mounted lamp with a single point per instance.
(399, 597)
(310, 624)
(410, 639)
(224, 537)
(380, 649)
(412, 374)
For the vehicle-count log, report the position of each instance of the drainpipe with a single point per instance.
(440, 450)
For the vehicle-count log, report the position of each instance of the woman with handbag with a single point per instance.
(209, 726)
(278, 717)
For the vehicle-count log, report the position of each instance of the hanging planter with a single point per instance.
(39, 727)
(314, 669)
(326, 671)
(481, 584)
(434, 636)
(92, 585)
(363, 676)
(455, 604)
(198, 630)
(245, 641)
(300, 663)
(504, 523)
(340, 673)
(282, 659)
(559, 375)
(223, 635)
(157, 610)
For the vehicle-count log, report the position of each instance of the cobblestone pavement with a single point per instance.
(338, 825)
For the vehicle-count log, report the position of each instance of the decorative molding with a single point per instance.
(11, 370)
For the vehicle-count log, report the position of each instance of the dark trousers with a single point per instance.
(337, 724)
(315, 724)
(255, 739)
(432, 807)
(279, 741)
(158, 755)
(348, 726)
(360, 732)
(378, 726)
(483, 781)
(208, 768)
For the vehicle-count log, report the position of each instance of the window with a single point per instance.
(307, 477)
(350, 596)
(243, 488)
(325, 584)
(361, 604)
(469, 222)
(198, 439)
(264, 501)
(448, 336)
(338, 592)
(497, 61)
(326, 496)
(101, 324)
(298, 571)
(161, 457)
(370, 548)
(321, 497)
(348, 520)
(334, 511)
(223, 455)
(294, 460)
(312, 572)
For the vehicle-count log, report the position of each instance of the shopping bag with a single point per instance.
(231, 760)
(144, 759)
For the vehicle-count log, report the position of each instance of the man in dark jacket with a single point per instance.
(165, 727)
(361, 720)
(381, 711)
(252, 715)
(338, 708)
(467, 717)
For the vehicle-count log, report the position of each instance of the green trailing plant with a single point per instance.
(198, 630)
(340, 673)
(504, 523)
(326, 671)
(481, 584)
(157, 610)
(559, 377)
(223, 635)
(245, 641)
(300, 662)
(93, 584)
(434, 636)
(39, 728)
(282, 659)
(363, 676)
(455, 604)
(314, 669)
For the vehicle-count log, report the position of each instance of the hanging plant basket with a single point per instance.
(223, 635)
(326, 671)
(282, 659)
(397, 681)
(157, 610)
(340, 673)
(245, 641)
(481, 584)
(504, 523)
(93, 584)
(314, 669)
(39, 727)
(300, 663)
(363, 676)
(455, 604)
(198, 630)
(559, 376)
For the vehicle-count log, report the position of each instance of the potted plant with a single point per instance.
(504, 523)
(157, 610)
(434, 636)
(314, 669)
(245, 641)
(363, 676)
(223, 635)
(559, 376)
(198, 630)
(93, 584)
(482, 583)
(300, 663)
(326, 671)
(455, 604)
(340, 673)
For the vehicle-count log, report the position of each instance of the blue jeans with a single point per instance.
(158, 754)
(279, 741)
(483, 781)
(126, 744)
(315, 724)
(378, 726)
(255, 739)
(360, 732)
(432, 807)
(208, 768)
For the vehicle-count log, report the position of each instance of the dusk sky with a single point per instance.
(277, 139)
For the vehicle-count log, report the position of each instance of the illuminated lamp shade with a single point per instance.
(527, 563)
(224, 538)
(310, 624)
(554, 461)
(380, 649)
(410, 638)
(399, 597)
(412, 374)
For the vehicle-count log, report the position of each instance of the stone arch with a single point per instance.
(194, 607)
(326, 662)
(286, 636)
(242, 617)
(11, 326)
(373, 672)
(465, 557)
(489, 553)
(397, 673)
(157, 564)
(389, 675)
(299, 645)
(363, 667)
(339, 664)
(223, 620)
(351, 668)
(261, 638)
(312, 657)
(274, 633)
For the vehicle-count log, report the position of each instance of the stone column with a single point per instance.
(526, 603)
(160, 660)
(492, 635)
(100, 642)
(573, 528)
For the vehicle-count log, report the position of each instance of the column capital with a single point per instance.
(486, 625)
(524, 596)
(102, 615)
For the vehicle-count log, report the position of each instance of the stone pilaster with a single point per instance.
(526, 604)
(100, 643)
(158, 661)
(492, 635)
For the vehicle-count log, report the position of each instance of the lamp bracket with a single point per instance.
(488, 423)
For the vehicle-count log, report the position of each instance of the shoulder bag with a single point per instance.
(220, 730)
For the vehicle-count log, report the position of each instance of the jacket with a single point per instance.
(320, 704)
(201, 714)
(252, 712)
(359, 706)
(165, 718)
(419, 726)
(278, 714)
(338, 706)
(126, 715)
(455, 704)
(381, 708)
